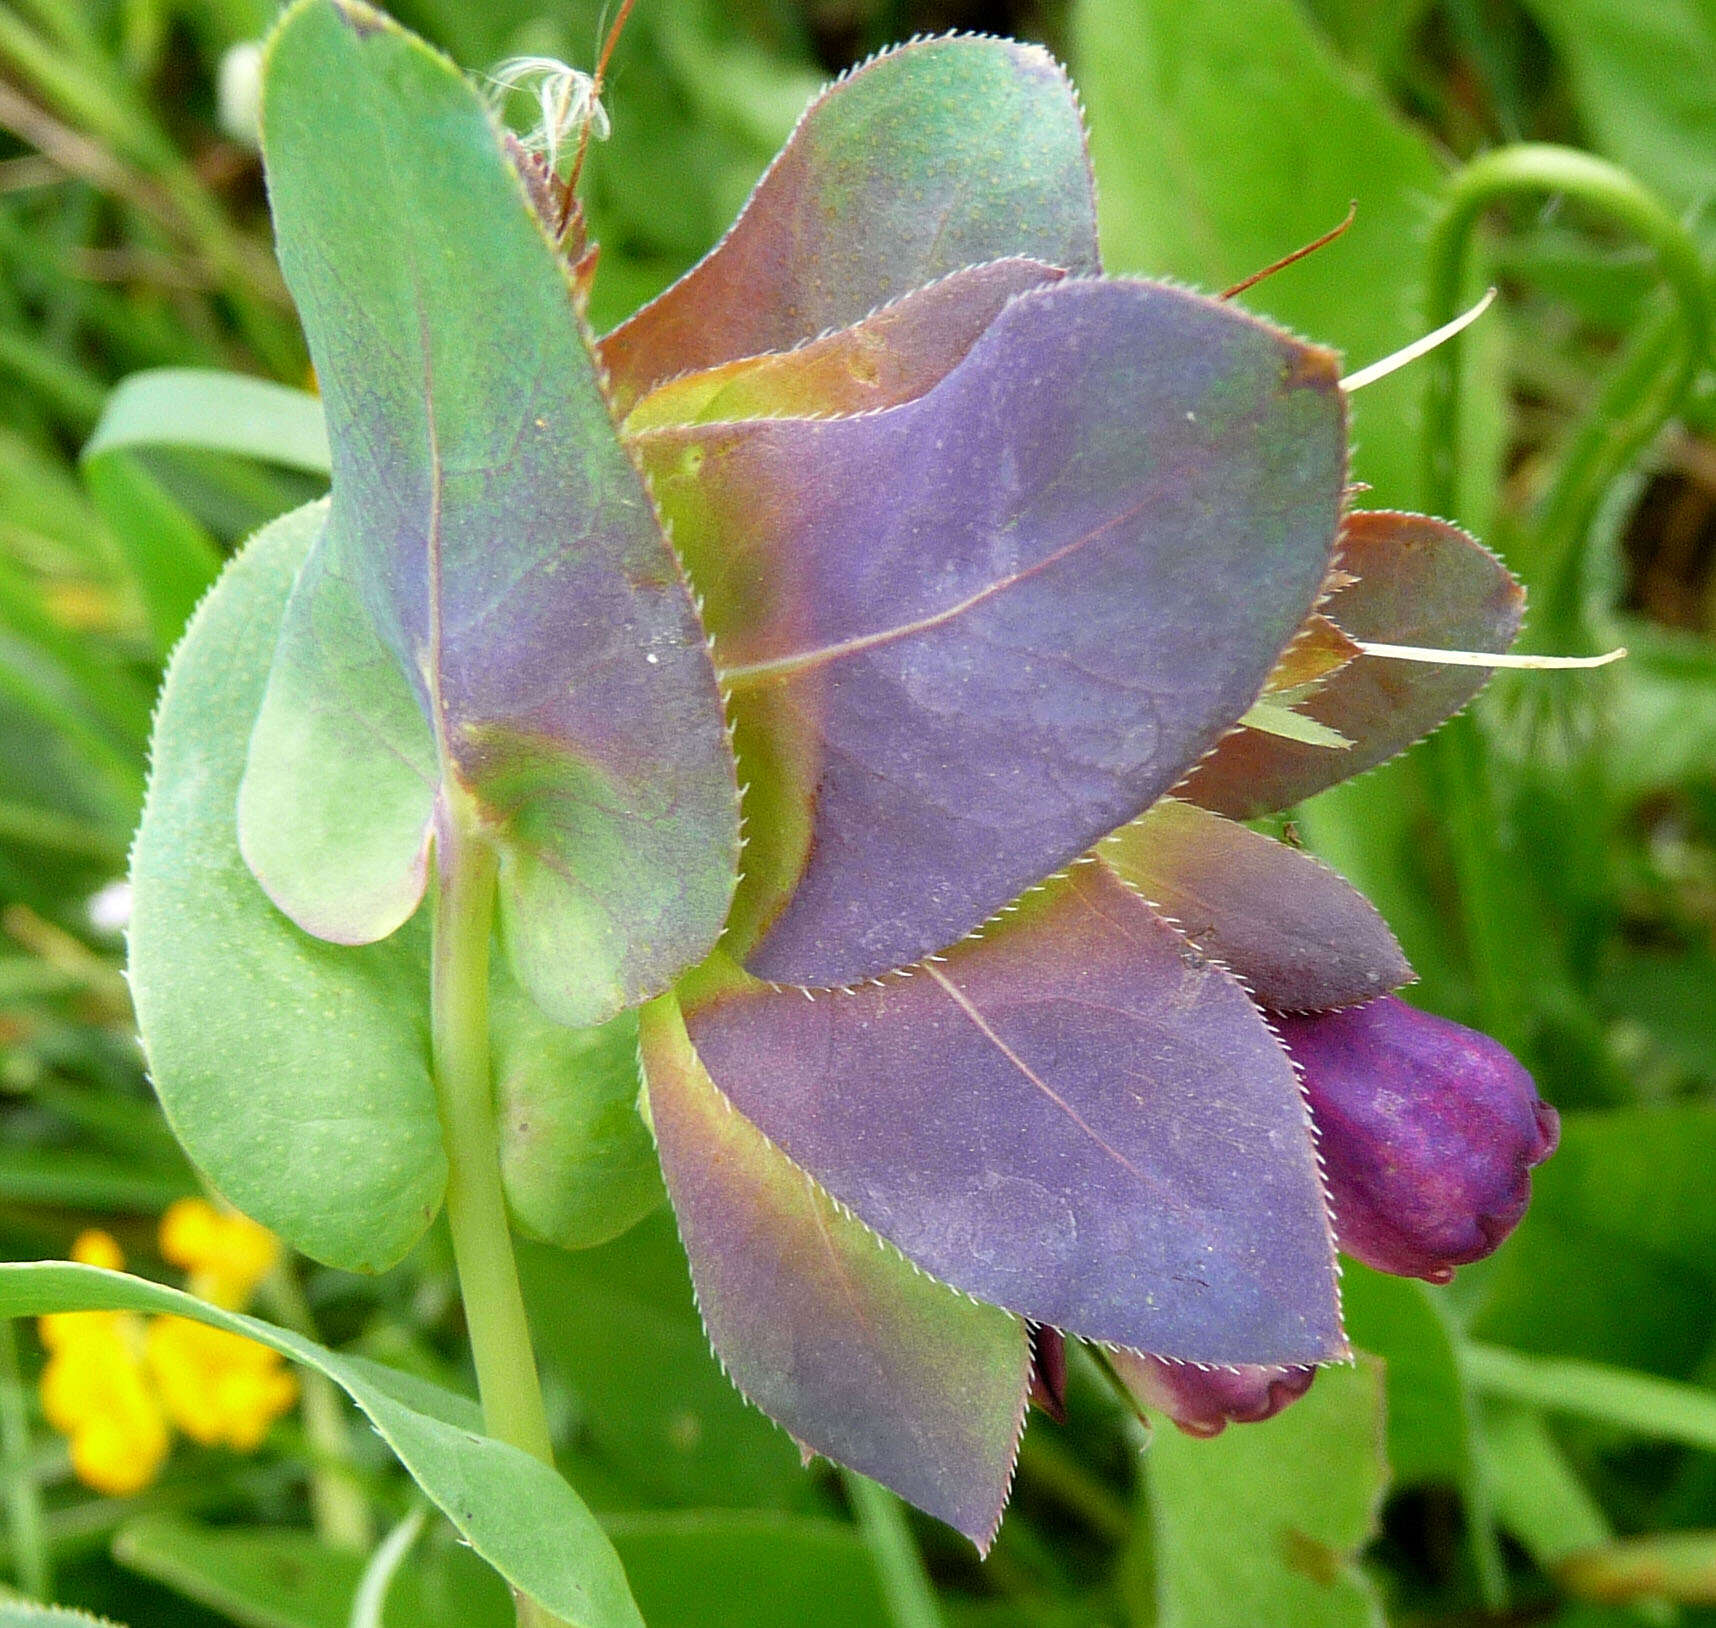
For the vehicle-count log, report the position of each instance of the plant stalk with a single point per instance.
(906, 1587)
(1534, 169)
(339, 1507)
(23, 1496)
(507, 1380)
(1641, 394)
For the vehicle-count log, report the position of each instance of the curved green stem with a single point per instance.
(371, 1598)
(1640, 395)
(476, 1203)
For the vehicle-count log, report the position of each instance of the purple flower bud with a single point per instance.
(1049, 1372)
(1429, 1132)
(1205, 1401)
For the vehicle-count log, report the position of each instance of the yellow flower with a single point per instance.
(221, 1389)
(95, 1393)
(115, 1386)
(226, 1255)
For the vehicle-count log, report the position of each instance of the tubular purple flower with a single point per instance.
(1205, 1401)
(1429, 1134)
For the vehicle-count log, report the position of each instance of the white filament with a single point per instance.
(1418, 347)
(1483, 658)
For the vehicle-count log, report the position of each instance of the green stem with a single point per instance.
(1640, 395)
(476, 1204)
(23, 1496)
(339, 1509)
(370, 1600)
(1606, 443)
(906, 1587)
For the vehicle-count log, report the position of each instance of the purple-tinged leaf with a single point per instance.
(1418, 581)
(1299, 937)
(1429, 1134)
(967, 637)
(848, 1346)
(893, 355)
(1075, 1116)
(937, 155)
(1205, 1401)
(490, 538)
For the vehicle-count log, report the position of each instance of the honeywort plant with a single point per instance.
(840, 691)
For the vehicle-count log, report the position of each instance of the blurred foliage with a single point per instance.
(1549, 1420)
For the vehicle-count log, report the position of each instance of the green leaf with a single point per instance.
(1432, 1419)
(171, 555)
(295, 1073)
(278, 1577)
(618, 1327)
(1616, 1258)
(1677, 1566)
(492, 627)
(517, 1513)
(1396, 1319)
(1373, 33)
(1241, 1539)
(26, 1615)
(1275, 716)
(1219, 148)
(210, 411)
(80, 1179)
(1638, 1403)
(696, 1569)
(576, 1156)
(329, 1132)
(715, 1569)
(254, 1577)
(1538, 1497)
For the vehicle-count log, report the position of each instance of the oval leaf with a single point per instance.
(515, 1511)
(937, 155)
(499, 543)
(294, 1073)
(852, 1349)
(1419, 581)
(342, 777)
(1074, 1116)
(966, 638)
(328, 1132)
(576, 1156)
(1301, 938)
